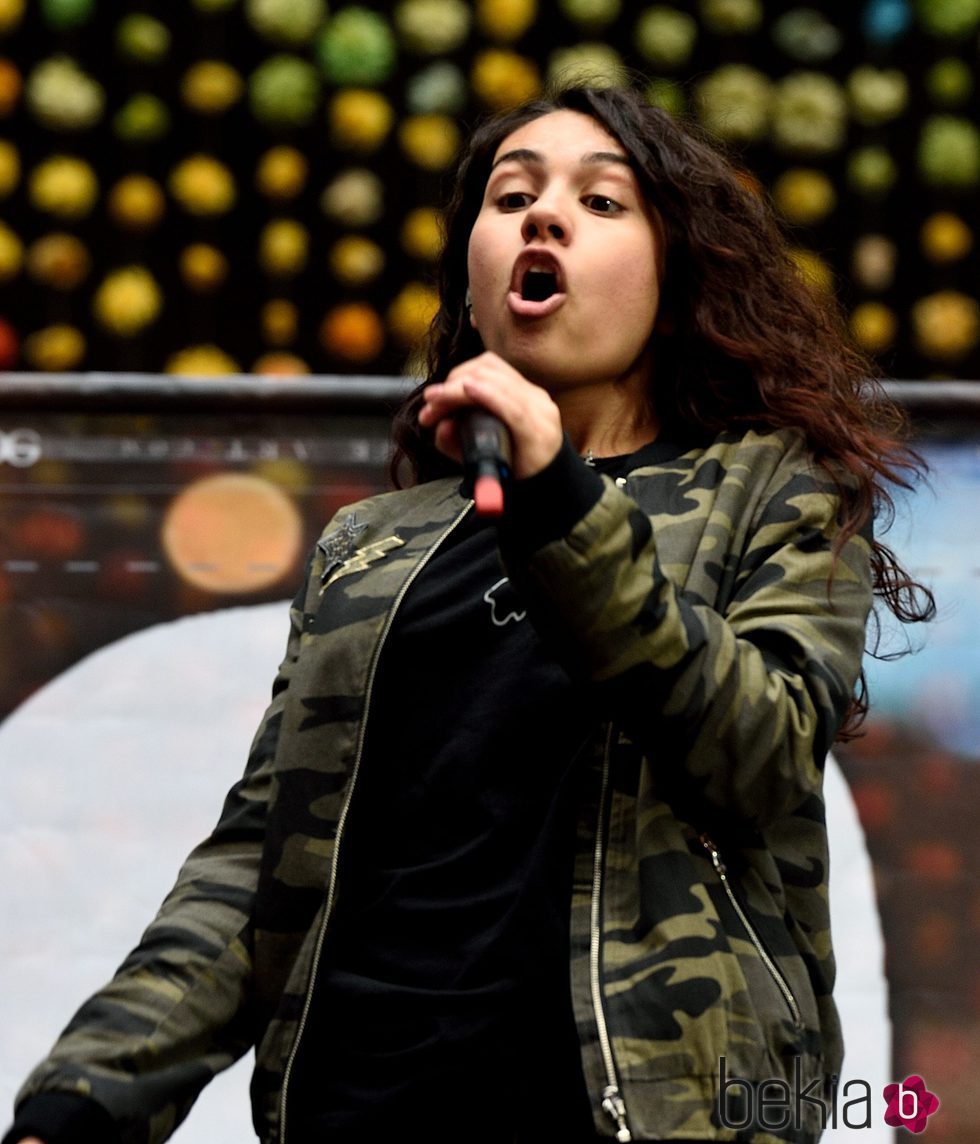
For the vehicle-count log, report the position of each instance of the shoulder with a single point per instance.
(759, 452)
(744, 466)
(762, 455)
(397, 505)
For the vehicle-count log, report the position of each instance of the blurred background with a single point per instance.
(254, 185)
(218, 226)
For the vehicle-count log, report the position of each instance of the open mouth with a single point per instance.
(538, 284)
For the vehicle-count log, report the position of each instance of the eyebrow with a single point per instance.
(592, 158)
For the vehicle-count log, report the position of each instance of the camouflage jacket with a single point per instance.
(702, 600)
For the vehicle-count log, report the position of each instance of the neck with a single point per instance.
(610, 423)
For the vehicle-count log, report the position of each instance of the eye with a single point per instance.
(602, 204)
(514, 200)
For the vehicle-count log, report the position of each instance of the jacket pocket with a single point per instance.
(751, 930)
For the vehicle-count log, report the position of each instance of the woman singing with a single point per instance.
(531, 842)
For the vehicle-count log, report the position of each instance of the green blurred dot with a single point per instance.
(666, 94)
(357, 47)
(871, 171)
(949, 82)
(63, 14)
(141, 119)
(142, 38)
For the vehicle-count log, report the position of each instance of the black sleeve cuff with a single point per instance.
(63, 1118)
(546, 506)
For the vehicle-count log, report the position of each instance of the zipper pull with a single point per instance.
(612, 1104)
(715, 853)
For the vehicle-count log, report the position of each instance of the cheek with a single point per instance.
(479, 256)
(640, 266)
(482, 268)
(632, 284)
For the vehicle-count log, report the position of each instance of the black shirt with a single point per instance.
(444, 983)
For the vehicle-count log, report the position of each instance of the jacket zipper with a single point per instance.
(342, 820)
(767, 961)
(612, 1100)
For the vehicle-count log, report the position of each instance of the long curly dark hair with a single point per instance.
(751, 342)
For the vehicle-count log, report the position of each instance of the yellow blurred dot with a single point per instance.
(11, 13)
(210, 87)
(232, 533)
(422, 234)
(9, 168)
(64, 186)
(281, 173)
(946, 324)
(804, 196)
(55, 348)
(411, 313)
(58, 260)
(11, 253)
(128, 300)
(278, 363)
(137, 202)
(873, 326)
(201, 361)
(280, 321)
(945, 237)
(355, 260)
(505, 19)
(360, 119)
(203, 267)
(430, 141)
(504, 79)
(203, 185)
(283, 247)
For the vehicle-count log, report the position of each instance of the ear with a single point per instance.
(468, 302)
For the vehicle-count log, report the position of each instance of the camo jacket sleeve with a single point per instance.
(705, 604)
(177, 1010)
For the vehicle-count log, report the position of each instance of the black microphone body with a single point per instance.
(486, 447)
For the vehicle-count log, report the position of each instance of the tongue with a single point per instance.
(538, 286)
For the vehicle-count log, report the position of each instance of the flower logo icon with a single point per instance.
(910, 1104)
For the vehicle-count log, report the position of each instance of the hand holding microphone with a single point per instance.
(486, 458)
(496, 423)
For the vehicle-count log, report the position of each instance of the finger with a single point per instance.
(443, 400)
(445, 393)
(447, 439)
(533, 420)
(516, 407)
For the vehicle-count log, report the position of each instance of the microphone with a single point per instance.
(486, 449)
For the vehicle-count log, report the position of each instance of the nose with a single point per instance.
(545, 218)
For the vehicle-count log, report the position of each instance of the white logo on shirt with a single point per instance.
(504, 605)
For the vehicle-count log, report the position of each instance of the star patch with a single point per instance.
(340, 545)
(343, 556)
